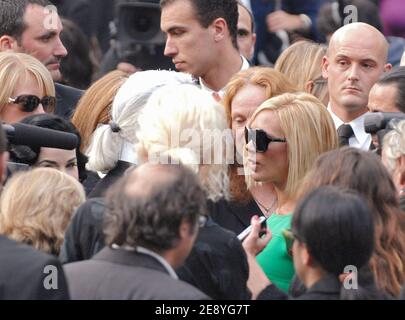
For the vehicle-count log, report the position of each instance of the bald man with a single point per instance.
(356, 58)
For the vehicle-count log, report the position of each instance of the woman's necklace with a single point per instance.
(266, 209)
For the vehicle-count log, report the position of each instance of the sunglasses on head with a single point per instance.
(30, 102)
(260, 139)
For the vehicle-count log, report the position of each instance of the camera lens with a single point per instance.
(141, 24)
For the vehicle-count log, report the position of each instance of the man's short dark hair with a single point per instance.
(152, 220)
(12, 16)
(209, 10)
(397, 78)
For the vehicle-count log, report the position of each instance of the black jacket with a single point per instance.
(217, 264)
(119, 274)
(66, 100)
(328, 288)
(112, 176)
(232, 215)
(84, 235)
(23, 273)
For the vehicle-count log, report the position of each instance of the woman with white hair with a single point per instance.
(182, 123)
(393, 157)
(111, 150)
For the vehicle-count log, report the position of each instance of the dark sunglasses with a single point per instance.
(260, 139)
(30, 102)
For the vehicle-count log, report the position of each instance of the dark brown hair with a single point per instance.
(151, 217)
(363, 171)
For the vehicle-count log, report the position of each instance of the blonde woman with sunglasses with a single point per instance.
(27, 87)
(283, 138)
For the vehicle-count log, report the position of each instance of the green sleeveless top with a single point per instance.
(274, 259)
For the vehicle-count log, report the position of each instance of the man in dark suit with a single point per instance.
(150, 227)
(31, 27)
(24, 272)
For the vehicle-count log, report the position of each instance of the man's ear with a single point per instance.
(7, 43)
(388, 67)
(306, 257)
(220, 28)
(325, 67)
(253, 44)
(309, 86)
(185, 230)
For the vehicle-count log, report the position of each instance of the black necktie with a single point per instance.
(345, 131)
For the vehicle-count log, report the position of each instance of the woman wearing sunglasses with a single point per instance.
(26, 87)
(283, 138)
(244, 94)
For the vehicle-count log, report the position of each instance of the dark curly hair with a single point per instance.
(151, 217)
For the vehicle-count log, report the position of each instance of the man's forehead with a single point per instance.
(42, 19)
(358, 39)
(357, 51)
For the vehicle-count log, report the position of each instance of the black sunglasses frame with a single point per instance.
(260, 139)
(30, 102)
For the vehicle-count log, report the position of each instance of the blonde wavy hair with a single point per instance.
(301, 63)
(15, 67)
(308, 128)
(174, 123)
(36, 207)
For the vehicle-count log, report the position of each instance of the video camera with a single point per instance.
(380, 123)
(139, 39)
(35, 137)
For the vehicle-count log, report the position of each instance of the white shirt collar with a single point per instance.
(148, 252)
(245, 66)
(361, 139)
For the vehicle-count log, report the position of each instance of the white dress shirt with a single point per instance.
(361, 139)
(245, 66)
(148, 252)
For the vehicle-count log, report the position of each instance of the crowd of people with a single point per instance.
(125, 182)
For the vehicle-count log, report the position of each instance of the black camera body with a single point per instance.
(380, 123)
(139, 39)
